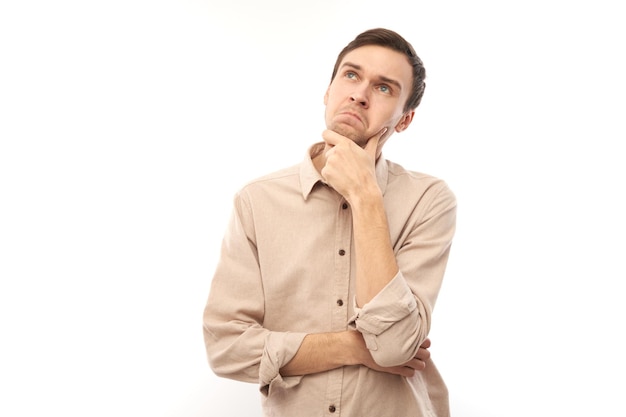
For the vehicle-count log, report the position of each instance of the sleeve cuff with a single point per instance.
(279, 349)
(393, 303)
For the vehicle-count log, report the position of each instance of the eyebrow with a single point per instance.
(381, 77)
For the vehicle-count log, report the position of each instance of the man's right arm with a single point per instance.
(321, 352)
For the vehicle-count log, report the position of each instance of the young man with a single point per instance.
(330, 269)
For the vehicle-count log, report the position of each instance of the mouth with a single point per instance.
(352, 115)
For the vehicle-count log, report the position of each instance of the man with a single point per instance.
(330, 269)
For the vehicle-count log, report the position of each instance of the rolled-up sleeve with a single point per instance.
(279, 349)
(385, 322)
(398, 319)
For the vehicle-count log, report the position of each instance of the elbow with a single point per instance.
(224, 366)
(218, 365)
(225, 361)
(395, 354)
(398, 344)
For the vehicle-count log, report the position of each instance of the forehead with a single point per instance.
(379, 61)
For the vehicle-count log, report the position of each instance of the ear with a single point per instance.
(404, 121)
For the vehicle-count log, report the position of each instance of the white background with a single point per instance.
(127, 126)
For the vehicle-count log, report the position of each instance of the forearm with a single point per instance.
(325, 351)
(375, 261)
(399, 318)
(321, 352)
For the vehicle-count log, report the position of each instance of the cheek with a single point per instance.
(331, 97)
(330, 106)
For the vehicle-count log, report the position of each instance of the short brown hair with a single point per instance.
(392, 40)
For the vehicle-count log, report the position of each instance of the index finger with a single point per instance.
(333, 138)
(371, 146)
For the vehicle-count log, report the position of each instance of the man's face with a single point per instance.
(368, 93)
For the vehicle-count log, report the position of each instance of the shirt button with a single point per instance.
(332, 409)
(342, 252)
(340, 302)
(344, 206)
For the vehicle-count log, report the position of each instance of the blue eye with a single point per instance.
(350, 74)
(385, 89)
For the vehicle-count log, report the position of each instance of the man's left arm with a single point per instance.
(394, 310)
(395, 290)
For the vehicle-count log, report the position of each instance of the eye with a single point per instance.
(351, 75)
(384, 88)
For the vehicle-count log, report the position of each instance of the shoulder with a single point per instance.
(277, 182)
(418, 184)
(398, 173)
(275, 176)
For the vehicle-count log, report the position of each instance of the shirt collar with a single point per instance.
(309, 175)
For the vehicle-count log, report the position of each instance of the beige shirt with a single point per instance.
(287, 269)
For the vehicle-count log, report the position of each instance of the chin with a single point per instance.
(359, 140)
(350, 134)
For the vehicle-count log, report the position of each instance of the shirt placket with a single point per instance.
(339, 300)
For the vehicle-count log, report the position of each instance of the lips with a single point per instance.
(351, 115)
(356, 116)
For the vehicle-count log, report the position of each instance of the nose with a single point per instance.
(359, 96)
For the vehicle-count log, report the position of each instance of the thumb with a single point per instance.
(371, 147)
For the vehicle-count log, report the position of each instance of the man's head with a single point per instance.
(392, 40)
(377, 83)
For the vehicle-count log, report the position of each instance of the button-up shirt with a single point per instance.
(287, 269)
